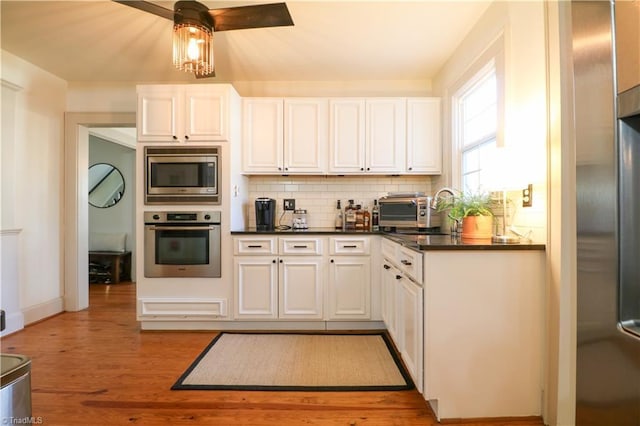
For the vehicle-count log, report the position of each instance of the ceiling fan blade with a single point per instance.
(148, 7)
(254, 16)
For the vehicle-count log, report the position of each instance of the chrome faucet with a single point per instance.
(436, 197)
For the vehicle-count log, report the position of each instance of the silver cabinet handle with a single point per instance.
(405, 262)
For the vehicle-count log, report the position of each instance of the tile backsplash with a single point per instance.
(318, 194)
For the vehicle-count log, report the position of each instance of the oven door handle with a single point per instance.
(182, 228)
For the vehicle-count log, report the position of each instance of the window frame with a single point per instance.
(492, 59)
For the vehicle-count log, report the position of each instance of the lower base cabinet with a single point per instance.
(411, 331)
(300, 287)
(349, 288)
(256, 287)
(269, 287)
(402, 306)
(292, 278)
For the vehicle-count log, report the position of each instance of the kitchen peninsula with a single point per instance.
(450, 307)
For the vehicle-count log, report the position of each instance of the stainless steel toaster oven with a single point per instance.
(408, 211)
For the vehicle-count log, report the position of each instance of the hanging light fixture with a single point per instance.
(193, 38)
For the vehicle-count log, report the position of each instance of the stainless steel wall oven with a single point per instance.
(182, 175)
(182, 244)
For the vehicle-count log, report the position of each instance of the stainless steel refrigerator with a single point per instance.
(607, 129)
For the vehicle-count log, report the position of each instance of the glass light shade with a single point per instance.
(193, 48)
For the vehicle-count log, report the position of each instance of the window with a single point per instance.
(477, 107)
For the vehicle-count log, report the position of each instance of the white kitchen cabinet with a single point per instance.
(300, 291)
(484, 332)
(390, 276)
(278, 278)
(404, 311)
(349, 287)
(262, 135)
(367, 135)
(347, 135)
(411, 335)
(283, 136)
(256, 286)
(385, 135)
(305, 135)
(183, 113)
(424, 144)
(341, 136)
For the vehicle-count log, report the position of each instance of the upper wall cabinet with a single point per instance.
(367, 136)
(284, 136)
(183, 113)
(424, 145)
(341, 136)
(347, 135)
(386, 132)
(262, 135)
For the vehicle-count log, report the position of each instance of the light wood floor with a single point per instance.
(97, 367)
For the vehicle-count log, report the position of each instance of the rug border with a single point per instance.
(178, 385)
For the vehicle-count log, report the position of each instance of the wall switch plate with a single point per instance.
(527, 196)
(289, 204)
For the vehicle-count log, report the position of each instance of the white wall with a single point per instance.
(522, 27)
(526, 133)
(32, 135)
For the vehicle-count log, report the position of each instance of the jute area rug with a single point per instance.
(297, 362)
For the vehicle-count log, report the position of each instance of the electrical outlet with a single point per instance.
(527, 196)
(289, 204)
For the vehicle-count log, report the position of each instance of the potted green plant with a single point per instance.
(473, 209)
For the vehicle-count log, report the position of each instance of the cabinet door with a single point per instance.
(347, 135)
(159, 113)
(349, 287)
(390, 286)
(410, 314)
(206, 113)
(300, 289)
(386, 135)
(262, 135)
(424, 146)
(305, 135)
(256, 286)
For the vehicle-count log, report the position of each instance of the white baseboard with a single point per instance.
(43, 310)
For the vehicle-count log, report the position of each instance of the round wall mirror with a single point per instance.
(106, 185)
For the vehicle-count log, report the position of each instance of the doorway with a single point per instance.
(76, 200)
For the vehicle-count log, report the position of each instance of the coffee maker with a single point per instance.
(265, 214)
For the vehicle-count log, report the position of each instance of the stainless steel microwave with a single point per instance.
(182, 175)
(408, 211)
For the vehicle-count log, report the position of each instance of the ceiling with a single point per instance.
(103, 41)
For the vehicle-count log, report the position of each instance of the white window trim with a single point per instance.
(493, 56)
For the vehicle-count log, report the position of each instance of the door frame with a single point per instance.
(76, 200)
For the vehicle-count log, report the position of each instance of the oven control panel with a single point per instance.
(212, 217)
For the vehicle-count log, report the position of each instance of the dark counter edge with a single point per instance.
(436, 242)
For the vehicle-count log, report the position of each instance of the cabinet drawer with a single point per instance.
(293, 246)
(410, 262)
(388, 249)
(255, 246)
(349, 245)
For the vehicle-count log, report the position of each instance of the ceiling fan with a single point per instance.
(194, 24)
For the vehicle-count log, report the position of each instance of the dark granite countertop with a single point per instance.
(290, 231)
(420, 242)
(449, 242)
